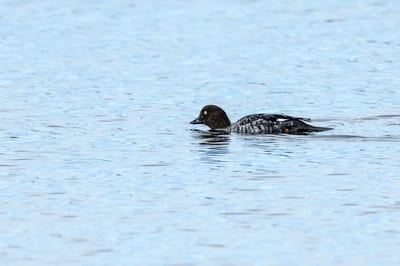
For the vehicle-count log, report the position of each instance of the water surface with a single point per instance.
(99, 164)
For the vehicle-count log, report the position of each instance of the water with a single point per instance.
(99, 164)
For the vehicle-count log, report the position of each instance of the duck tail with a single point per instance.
(309, 128)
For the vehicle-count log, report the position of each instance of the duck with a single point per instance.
(217, 120)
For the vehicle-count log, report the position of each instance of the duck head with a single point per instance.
(212, 116)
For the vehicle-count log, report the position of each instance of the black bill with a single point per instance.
(197, 121)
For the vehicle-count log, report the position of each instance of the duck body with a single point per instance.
(216, 118)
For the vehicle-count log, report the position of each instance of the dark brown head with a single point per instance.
(212, 116)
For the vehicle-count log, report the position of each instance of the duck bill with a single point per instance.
(197, 121)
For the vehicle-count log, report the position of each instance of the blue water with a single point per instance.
(100, 166)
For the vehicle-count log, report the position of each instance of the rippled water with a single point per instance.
(100, 166)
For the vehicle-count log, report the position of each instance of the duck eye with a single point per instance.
(205, 112)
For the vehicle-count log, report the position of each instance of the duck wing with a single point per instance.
(274, 123)
(272, 118)
(285, 117)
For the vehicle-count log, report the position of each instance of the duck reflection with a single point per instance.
(211, 138)
(213, 145)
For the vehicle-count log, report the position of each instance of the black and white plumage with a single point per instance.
(216, 118)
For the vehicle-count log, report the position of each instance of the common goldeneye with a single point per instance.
(216, 118)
